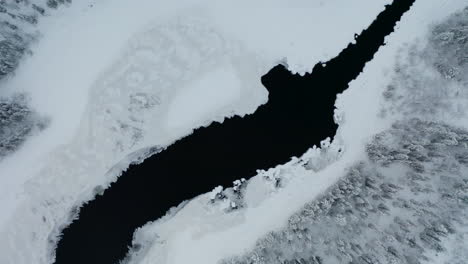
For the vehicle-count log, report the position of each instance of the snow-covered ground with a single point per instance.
(112, 80)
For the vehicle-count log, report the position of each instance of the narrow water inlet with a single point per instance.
(298, 115)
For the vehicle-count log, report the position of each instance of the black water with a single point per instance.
(298, 115)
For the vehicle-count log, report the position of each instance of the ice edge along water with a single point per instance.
(38, 200)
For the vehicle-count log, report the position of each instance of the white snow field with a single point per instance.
(114, 78)
(222, 224)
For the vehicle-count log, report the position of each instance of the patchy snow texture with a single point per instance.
(432, 82)
(17, 122)
(18, 29)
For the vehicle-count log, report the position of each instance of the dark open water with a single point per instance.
(298, 115)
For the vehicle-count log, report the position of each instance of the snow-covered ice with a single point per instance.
(203, 97)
